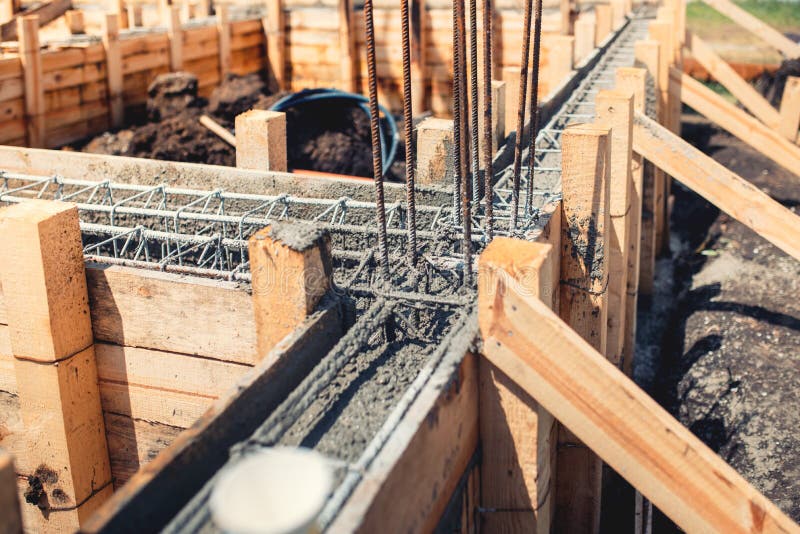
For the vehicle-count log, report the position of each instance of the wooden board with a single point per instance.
(728, 191)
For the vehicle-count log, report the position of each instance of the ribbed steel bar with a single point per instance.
(408, 128)
(523, 94)
(457, 95)
(460, 133)
(474, 103)
(488, 153)
(537, 47)
(374, 126)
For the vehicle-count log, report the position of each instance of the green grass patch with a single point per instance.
(784, 16)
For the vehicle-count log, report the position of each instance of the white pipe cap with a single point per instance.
(275, 491)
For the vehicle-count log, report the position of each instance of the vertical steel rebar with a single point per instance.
(408, 127)
(523, 95)
(473, 54)
(487, 118)
(457, 177)
(537, 46)
(460, 133)
(374, 126)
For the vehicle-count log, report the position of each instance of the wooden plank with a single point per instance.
(71, 57)
(31, 59)
(51, 341)
(146, 62)
(790, 109)
(141, 44)
(663, 32)
(11, 88)
(71, 77)
(81, 113)
(518, 437)
(10, 516)
(583, 302)
(47, 12)
(728, 191)
(171, 408)
(614, 109)
(753, 24)
(768, 142)
(629, 430)
(163, 311)
(247, 40)
(159, 489)
(223, 39)
(745, 93)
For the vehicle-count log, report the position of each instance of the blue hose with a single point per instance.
(312, 95)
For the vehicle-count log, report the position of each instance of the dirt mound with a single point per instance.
(238, 94)
(171, 94)
(771, 84)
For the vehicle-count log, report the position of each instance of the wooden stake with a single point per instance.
(434, 151)
(498, 113)
(753, 24)
(419, 47)
(790, 109)
(663, 32)
(122, 14)
(175, 34)
(660, 457)
(47, 305)
(274, 25)
(602, 22)
(584, 37)
(10, 517)
(114, 70)
(135, 15)
(561, 55)
(347, 47)
(224, 33)
(31, 59)
(728, 191)
(614, 110)
(261, 140)
(617, 13)
(565, 6)
(518, 436)
(633, 81)
(291, 269)
(218, 129)
(586, 154)
(6, 11)
(74, 19)
(715, 108)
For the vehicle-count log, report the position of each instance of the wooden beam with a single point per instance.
(565, 9)
(75, 23)
(434, 151)
(261, 140)
(584, 37)
(634, 81)
(765, 140)
(291, 267)
(663, 32)
(217, 129)
(753, 24)
(347, 47)
(518, 437)
(629, 430)
(46, 11)
(741, 89)
(614, 109)
(224, 39)
(10, 517)
(602, 23)
(790, 109)
(728, 191)
(114, 70)
(583, 302)
(175, 35)
(44, 288)
(31, 58)
(274, 27)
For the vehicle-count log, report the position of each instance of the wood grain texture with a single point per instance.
(790, 109)
(10, 516)
(728, 191)
(628, 429)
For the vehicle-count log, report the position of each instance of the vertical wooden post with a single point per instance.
(560, 58)
(790, 109)
(135, 15)
(10, 517)
(224, 35)
(290, 263)
(6, 11)
(614, 110)
(75, 23)
(498, 113)
(565, 6)
(47, 307)
(114, 70)
(517, 435)
(274, 28)
(175, 34)
(434, 151)
(419, 44)
(634, 81)
(584, 37)
(31, 58)
(648, 56)
(617, 13)
(602, 23)
(585, 177)
(261, 140)
(347, 46)
(122, 13)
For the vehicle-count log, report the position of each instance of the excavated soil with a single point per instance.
(326, 137)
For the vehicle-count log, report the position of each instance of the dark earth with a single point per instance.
(321, 136)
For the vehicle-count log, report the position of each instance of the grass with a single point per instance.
(784, 16)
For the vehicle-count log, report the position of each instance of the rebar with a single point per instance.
(487, 119)
(460, 134)
(523, 94)
(374, 126)
(408, 128)
(474, 103)
(537, 46)
(457, 95)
